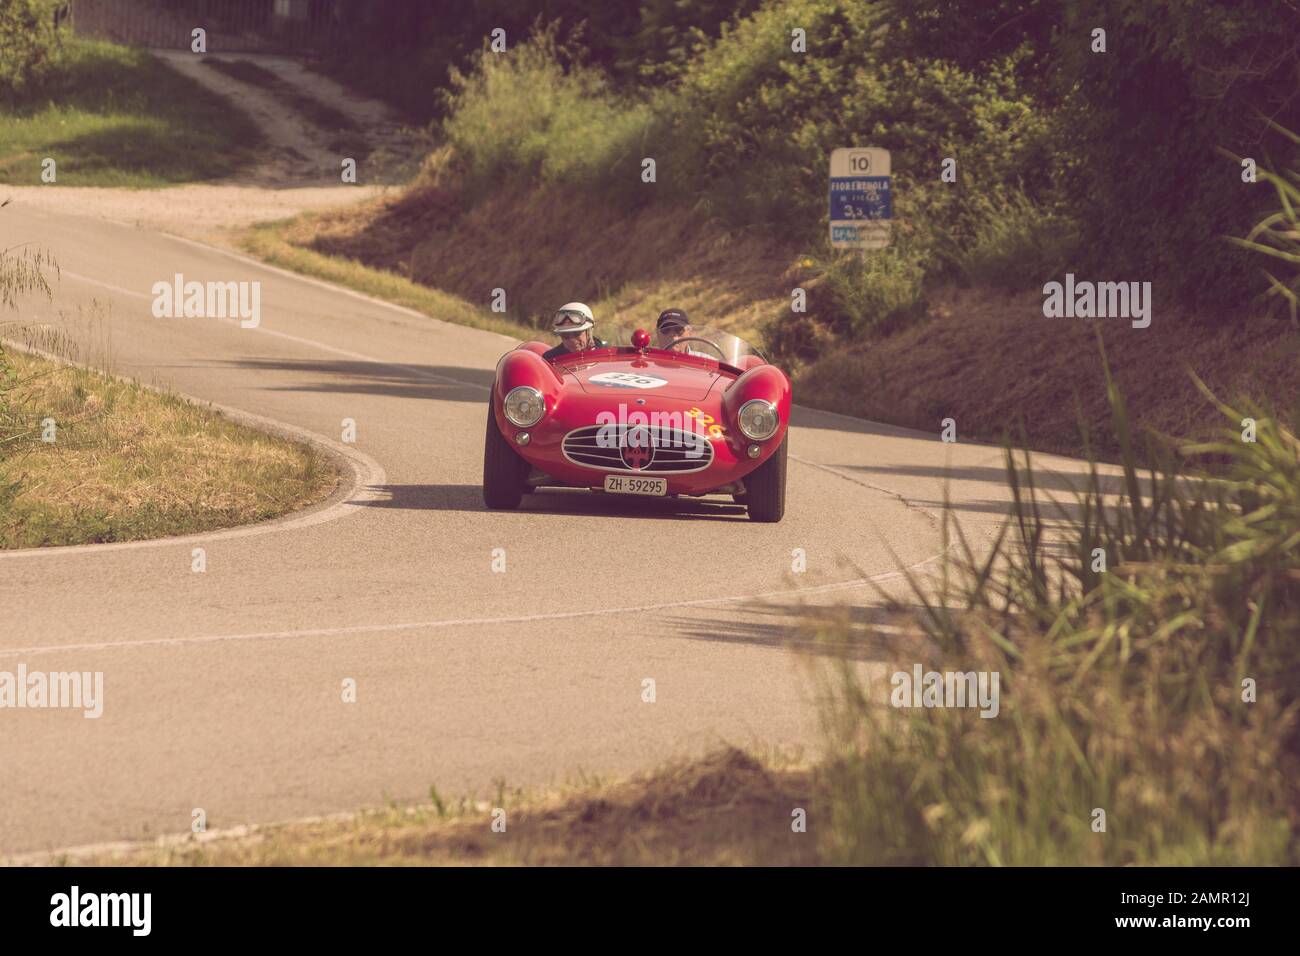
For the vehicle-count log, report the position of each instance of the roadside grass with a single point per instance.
(345, 136)
(1148, 710)
(115, 116)
(992, 362)
(129, 463)
(1014, 244)
(549, 247)
(725, 809)
(269, 243)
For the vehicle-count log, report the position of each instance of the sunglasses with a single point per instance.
(571, 335)
(672, 329)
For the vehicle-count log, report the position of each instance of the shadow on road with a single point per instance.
(857, 633)
(557, 502)
(449, 383)
(1044, 480)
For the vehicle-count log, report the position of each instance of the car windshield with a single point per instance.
(704, 341)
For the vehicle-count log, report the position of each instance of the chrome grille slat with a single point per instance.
(672, 447)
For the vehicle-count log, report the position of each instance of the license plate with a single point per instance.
(625, 485)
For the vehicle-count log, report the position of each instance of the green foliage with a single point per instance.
(757, 122)
(972, 34)
(1277, 236)
(875, 290)
(750, 126)
(117, 116)
(1013, 243)
(1094, 162)
(29, 45)
(669, 33)
(526, 115)
(405, 51)
(1120, 689)
(1143, 123)
(1135, 129)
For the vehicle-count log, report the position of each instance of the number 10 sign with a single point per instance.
(861, 198)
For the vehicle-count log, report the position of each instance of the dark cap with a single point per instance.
(672, 317)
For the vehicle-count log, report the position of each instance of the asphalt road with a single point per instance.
(222, 690)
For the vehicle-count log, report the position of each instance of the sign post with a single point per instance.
(862, 206)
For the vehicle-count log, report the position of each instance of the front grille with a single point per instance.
(671, 451)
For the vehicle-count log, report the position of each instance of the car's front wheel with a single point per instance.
(765, 487)
(503, 469)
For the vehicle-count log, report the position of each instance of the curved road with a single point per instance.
(222, 690)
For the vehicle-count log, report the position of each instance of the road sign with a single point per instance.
(862, 205)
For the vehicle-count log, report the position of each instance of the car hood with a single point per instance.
(649, 379)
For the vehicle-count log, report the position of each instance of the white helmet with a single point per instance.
(572, 317)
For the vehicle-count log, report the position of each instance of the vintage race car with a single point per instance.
(710, 419)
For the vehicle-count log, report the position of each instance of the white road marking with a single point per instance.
(328, 286)
(297, 339)
(366, 478)
(469, 621)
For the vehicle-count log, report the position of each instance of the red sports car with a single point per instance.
(708, 419)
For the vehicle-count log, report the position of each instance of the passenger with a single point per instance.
(672, 325)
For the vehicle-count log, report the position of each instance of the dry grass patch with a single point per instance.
(992, 361)
(728, 808)
(557, 244)
(271, 243)
(129, 463)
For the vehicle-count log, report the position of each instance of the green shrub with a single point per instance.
(875, 289)
(29, 44)
(1014, 244)
(1143, 123)
(1066, 159)
(525, 114)
(746, 132)
(1121, 689)
(1277, 236)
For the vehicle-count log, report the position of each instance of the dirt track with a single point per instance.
(286, 184)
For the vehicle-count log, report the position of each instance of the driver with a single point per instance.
(573, 323)
(672, 325)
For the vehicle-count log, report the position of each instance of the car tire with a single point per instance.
(765, 487)
(503, 469)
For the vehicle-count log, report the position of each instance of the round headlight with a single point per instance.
(758, 419)
(525, 406)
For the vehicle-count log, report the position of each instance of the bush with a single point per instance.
(1066, 159)
(29, 45)
(526, 115)
(1122, 689)
(746, 133)
(875, 289)
(1015, 243)
(1144, 123)
(1277, 236)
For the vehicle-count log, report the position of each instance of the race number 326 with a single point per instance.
(704, 418)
